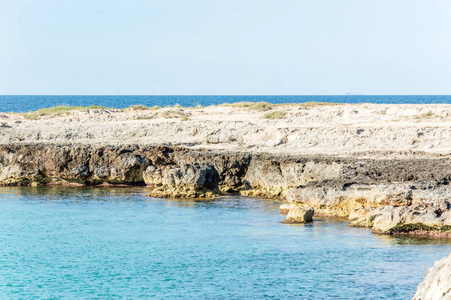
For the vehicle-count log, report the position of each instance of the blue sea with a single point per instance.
(29, 103)
(116, 243)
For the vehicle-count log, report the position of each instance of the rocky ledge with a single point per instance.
(406, 193)
(386, 167)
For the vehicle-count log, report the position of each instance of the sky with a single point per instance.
(225, 47)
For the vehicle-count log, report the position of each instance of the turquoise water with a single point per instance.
(27, 103)
(97, 243)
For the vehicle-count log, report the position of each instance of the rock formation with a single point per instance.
(395, 208)
(392, 195)
(437, 283)
(298, 213)
(186, 181)
(386, 167)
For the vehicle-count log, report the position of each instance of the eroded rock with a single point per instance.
(284, 209)
(386, 208)
(299, 213)
(186, 181)
(345, 200)
(437, 283)
(420, 218)
(393, 195)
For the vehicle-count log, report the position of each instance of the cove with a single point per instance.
(118, 243)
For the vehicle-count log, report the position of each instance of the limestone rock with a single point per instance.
(299, 214)
(344, 199)
(271, 178)
(186, 181)
(437, 283)
(420, 218)
(71, 164)
(393, 194)
(285, 208)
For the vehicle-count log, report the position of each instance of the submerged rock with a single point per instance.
(299, 214)
(186, 181)
(437, 283)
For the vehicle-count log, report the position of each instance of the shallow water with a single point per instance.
(33, 102)
(116, 243)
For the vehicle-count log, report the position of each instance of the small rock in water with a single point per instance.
(299, 214)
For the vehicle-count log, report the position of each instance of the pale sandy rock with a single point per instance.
(187, 181)
(299, 214)
(322, 129)
(396, 208)
(284, 208)
(437, 283)
(415, 218)
(350, 200)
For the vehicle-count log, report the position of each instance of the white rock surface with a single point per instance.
(305, 129)
(437, 283)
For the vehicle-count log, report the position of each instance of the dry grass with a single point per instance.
(57, 110)
(142, 107)
(316, 104)
(145, 117)
(278, 114)
(251, 105)
(137, 107)
(175, 114)
(427, 115)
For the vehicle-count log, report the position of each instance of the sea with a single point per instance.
(118, 243)
(26, 103)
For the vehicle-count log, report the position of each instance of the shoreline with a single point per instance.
(379, 165)
(379, 193)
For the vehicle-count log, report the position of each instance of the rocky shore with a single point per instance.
(437, 284)
(390, 195)
(386, 167)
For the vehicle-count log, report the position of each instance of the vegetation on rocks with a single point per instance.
(315, 104)
(407, 228)
(142, 107)
(57, 110)
(251, 105)
(278, 114)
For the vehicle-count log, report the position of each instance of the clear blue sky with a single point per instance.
(225, 47)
